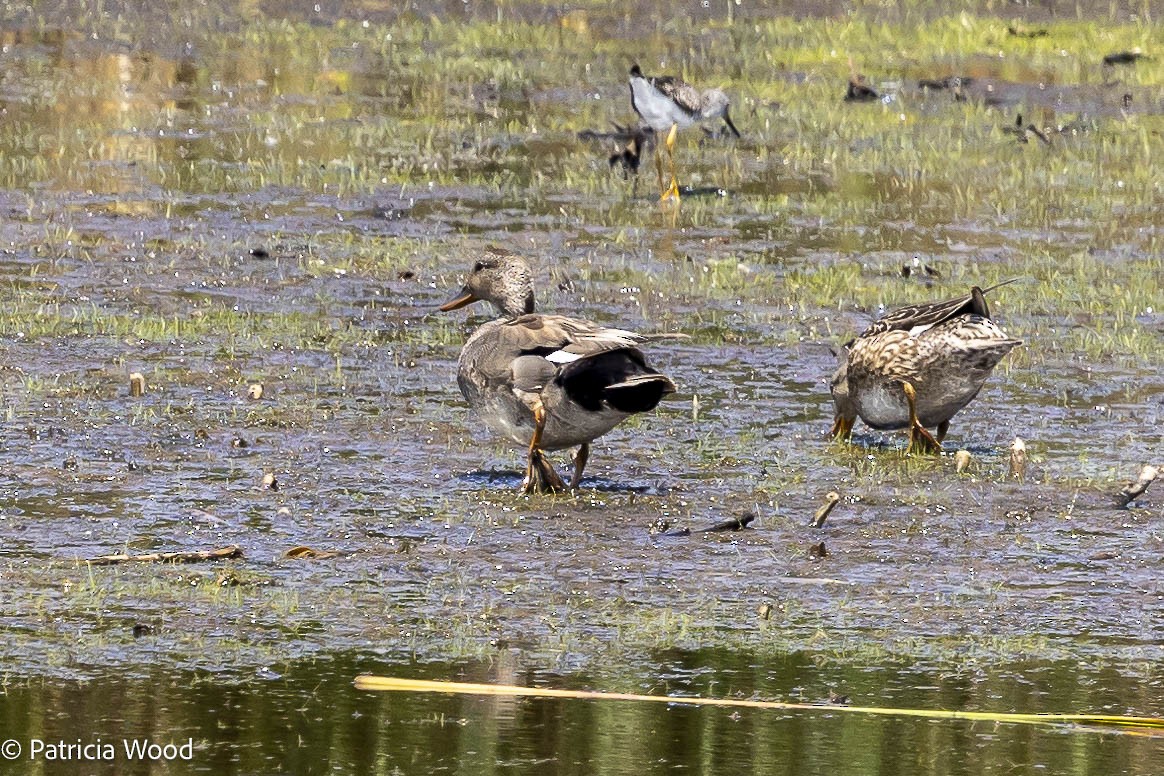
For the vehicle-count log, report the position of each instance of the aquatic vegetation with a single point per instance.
(289, 200)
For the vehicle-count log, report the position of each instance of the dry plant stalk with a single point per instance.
(1018, 459)
(830, 501)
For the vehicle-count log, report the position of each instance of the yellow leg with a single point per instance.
(920, 440)
(580, 459)
(672, 191)
(842, 427)
(540, 476)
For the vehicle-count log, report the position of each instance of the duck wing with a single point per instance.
(561, 339)
(919, 317)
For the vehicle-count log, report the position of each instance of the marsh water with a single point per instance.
(220, 198)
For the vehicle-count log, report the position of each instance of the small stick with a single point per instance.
(830, 501)
(734, 524)
(137, 384)
(1134, 490)
(1018, 459)
(225, 553)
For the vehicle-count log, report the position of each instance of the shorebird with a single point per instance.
(549, 382)
(669, 104)
(918, 366)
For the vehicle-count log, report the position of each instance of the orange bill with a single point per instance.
(460, 300)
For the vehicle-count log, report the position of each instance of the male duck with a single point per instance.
(918, 366)
(548, 381)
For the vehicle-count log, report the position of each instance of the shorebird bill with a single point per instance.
(728, 120)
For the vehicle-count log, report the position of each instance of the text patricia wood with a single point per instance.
(134, 749)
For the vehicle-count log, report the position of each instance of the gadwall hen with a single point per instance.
(918, 366)
(548, 382)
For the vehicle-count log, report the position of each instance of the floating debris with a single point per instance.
(255, 392)
(818, 551)
(137, 384)
(141, 629)
(269, 481)
(1124, 57)
(831, 500)
(734, 524)
(1136, 489)
(225, 553)
(308, 552)
(765, 611)
(1022, 32)
(860, 91)
(962, 460)
(1018, 459)
(1024, 131)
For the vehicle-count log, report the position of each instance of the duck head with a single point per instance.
(502, 279)
(846, 409)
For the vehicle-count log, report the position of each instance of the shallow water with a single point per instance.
(309, 719)
(217, 201)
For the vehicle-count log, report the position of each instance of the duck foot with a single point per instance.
(540, 476)
(842, 428)
(920, 440)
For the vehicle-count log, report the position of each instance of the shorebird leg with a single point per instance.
(540, 476)
(943, 427)
(580, 459)
(672, 191)
(920, 440)
(842, 427)
(659, 166)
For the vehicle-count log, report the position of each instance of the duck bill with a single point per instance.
(728, 120)
(464, 297)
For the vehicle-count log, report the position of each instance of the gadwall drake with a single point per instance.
(548, 382)
(918, 366)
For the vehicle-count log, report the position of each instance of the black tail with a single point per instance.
(641, 393)
(619, 379)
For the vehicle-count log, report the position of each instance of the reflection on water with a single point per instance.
(309, 719)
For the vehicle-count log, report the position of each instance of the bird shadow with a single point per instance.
(511, 480)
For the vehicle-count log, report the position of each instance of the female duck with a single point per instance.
(917, 367)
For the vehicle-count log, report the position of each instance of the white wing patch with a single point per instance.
(562, 357)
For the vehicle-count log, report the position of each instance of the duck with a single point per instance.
(667, 104)
(548, 382)
(917, 367)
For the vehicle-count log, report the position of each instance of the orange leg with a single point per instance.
(540, 476)
(920, 440)
(842, 427)
(580, 459)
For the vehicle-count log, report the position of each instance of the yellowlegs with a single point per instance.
(669, 104)
(918, 366)
(547, 381)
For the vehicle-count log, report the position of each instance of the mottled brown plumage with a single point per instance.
(918, 366)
